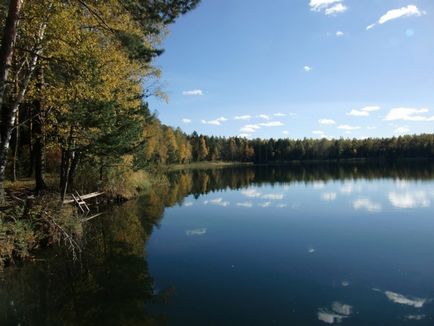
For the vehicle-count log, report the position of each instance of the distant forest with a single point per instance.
(75, 78)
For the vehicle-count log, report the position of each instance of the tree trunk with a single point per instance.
(39, 134)
(8, 44)
(65, 166)
(73, 170)
(30, 135)
(17, 143)
(6, 54)
(39, 150)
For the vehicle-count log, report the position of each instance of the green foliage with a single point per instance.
(17, 239)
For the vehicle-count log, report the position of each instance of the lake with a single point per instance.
(301, 244)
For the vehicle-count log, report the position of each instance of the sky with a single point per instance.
(300, 68)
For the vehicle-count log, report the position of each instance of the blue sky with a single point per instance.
(301, 68)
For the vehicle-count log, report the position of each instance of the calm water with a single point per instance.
(299, 245)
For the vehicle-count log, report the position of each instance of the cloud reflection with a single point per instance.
(415, 317)
(338, 312)
(196, 232)
(318, 185)
(266, 204)
(367, 204)
(409, 199)
(246, 204)
(328, 196)
(401, 299)
(217, 202)
(273, 196)
(252, 193)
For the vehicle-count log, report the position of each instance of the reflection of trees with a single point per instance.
(198, 182)
(112, 284)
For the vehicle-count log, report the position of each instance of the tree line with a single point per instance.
(205, 148)
(75, 76)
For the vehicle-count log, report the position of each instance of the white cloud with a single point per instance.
(186, 120)
(358, 113)
(279, 114)
(336, 9)
(246, 130)
(327, 122)
(272, 124)
(410, 10)
(408, 114)
(264, 116)
(285, 132)
(244, 135)
(251, 193)
(402, 130)
(246, 204)
(367, 204)
(329, 7)
(318, 132)
(364, 112)
(243, 117)
(318, 5)
(194, 92)
(371, 108)
(216, 122)
(348, 127)
(249, 128)
(409, 199)
(282, 206)
(328, 196)
(401, 299)
(307, 68)
(196, 232)
(188, 204)
(340, 33)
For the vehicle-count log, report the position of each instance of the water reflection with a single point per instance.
(109, 287)
(196, 232)
(336, 315)
(297, 240)
(409, 199)
(404, 300)
(367, 204)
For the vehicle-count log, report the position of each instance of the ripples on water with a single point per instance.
(302, 244)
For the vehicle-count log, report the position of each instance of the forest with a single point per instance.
(72, 110)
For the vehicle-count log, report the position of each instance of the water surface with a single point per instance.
(295, 245)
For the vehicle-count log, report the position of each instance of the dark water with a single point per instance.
(349, 244)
